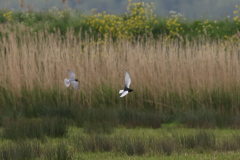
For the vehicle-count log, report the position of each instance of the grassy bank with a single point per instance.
(169, 142)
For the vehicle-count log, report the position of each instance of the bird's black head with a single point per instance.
(130, 90)
(76, 80)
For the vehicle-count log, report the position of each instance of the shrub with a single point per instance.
(21, 150)
(34, 128)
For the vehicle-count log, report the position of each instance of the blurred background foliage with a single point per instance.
(212, 9)
(138, 18)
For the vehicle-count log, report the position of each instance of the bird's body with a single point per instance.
(71, 80)
(126, 89)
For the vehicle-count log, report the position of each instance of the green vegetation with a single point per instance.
(138, 21)
(193, 9)
(125, 143)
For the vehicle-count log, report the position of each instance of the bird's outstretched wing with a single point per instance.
(75, 84)
(66, 82)
(124, 93)
(127, 80)
(121, 91)
(71, 75)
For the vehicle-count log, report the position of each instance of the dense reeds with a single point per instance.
(165, 74)
(194, 83)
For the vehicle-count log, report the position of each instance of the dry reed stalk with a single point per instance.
(156, 68)
(21, 3)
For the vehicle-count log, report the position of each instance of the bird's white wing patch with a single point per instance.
(124, 93)
(71, 75)
(75, 84)
(66, 82)
(127, 80)
(121, 91)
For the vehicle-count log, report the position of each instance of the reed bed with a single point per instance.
(166, 74)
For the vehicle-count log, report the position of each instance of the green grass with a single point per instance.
(164, 143)
(34, 128)
(105, 119)
(191, 156)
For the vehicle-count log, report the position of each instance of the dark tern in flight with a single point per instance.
(126, 86)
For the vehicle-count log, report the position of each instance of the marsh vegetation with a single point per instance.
(190, 83)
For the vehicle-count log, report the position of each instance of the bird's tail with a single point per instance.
(66, 82)
(121, 91)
